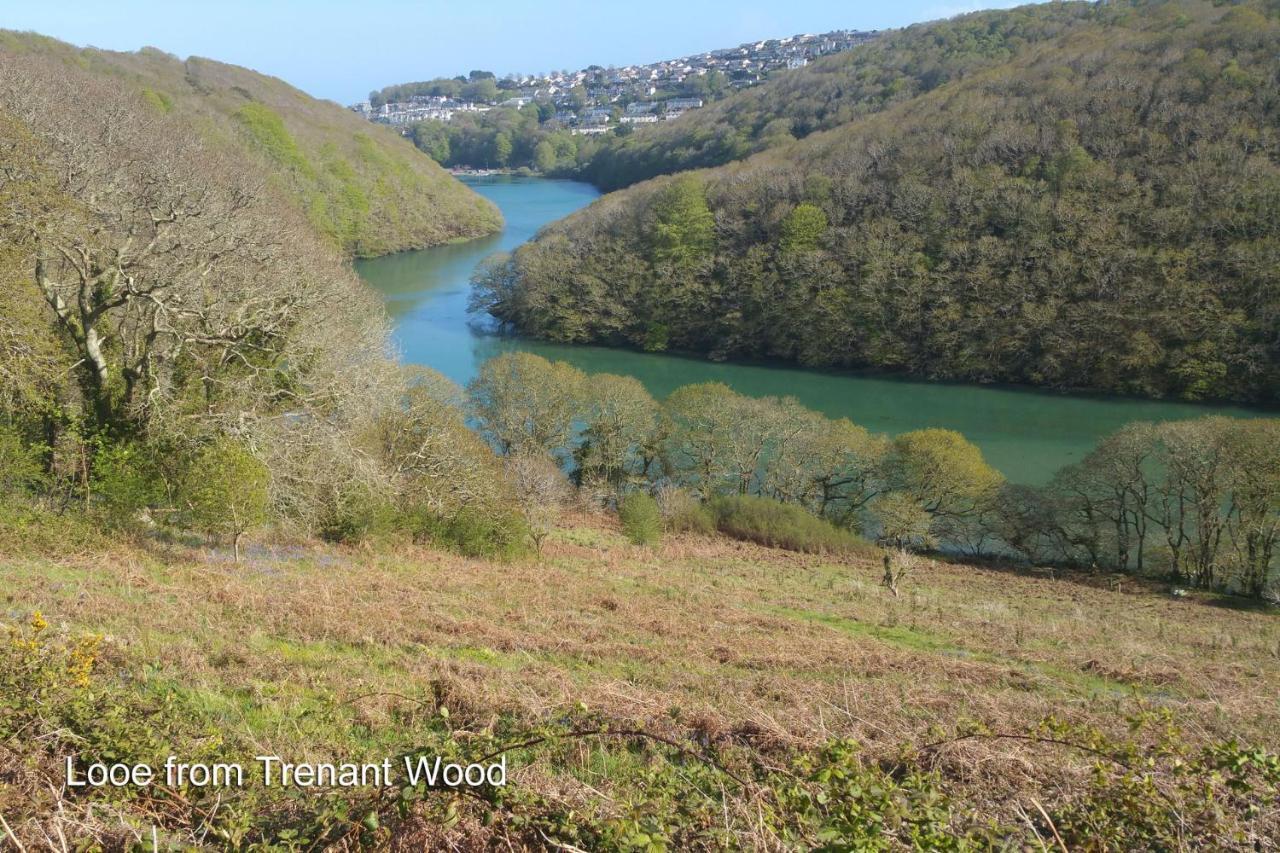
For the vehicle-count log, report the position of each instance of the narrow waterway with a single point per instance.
(1026, 434)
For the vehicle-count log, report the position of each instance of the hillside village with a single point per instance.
(596, 99)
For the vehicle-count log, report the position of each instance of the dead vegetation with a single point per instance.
(705, 641)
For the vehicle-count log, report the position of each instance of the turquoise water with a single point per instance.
(1026, 434)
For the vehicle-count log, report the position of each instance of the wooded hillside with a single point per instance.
(1073, 196)
(361, 185)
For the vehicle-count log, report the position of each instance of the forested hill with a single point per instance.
(362, 186)
(832, 91)
(1099, 208)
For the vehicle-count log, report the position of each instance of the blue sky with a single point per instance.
(342, 50)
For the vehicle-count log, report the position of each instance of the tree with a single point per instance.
(481, 91)
(225, 491)
(544, 156)
(432, 137)
(436, 464)
(1116, 480)
(620, 431)
(523, 402)
(126, 219)
(502, 148)
(903, 521)
(929, 243)
(831, 467)
(1254, 520)
(683, 230)
(1195, 457)
(698, 435)
(803, 228)
(944, 474)
(541, 491)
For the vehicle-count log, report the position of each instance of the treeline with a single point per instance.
(1194, 501)
(476, 87)
(1099, 211)
(504, 139)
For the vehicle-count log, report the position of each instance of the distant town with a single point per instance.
(595, 100)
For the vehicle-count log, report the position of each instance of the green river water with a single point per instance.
(1026, 434)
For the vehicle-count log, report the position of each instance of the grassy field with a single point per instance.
(737, 663)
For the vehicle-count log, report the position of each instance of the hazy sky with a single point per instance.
(342, 50)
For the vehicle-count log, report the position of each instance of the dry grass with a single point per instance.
(701, 637)
(798, 646)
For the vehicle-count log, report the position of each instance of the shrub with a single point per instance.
(641, 521)
(26, 528)
(354, 515)
(484, 532)
(225, 491)
(20, 468)
(124, 483)
(780, 525)
(684, 513)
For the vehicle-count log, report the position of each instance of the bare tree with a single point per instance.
(541, 489)
(168, 267)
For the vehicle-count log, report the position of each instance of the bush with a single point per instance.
(780, 525)
(484, 532)
(353, 516)
(641, 521)
(124, 482)
(684, 513)
(20, 468)
(26, 528)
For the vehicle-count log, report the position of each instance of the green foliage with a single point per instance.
(803, 228)
(1149, 788)
(1197, 501)
(21, 469)
(355, 514)
(523, 401)
(28, 528)
(225, 490)
(125, 482)
(544, 157)
(362, 186)
(779, 525)
(159, 100)
(683, 226)
(482, 532)
(267, 130)
(502, 138)
(620, 425)
(944, 472)
(501, 149)
(432, 138)
(903, 521)
(852, 806)
(641, 520)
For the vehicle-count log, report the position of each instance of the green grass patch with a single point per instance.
(911, 639)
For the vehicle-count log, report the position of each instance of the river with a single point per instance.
(1026, 434)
